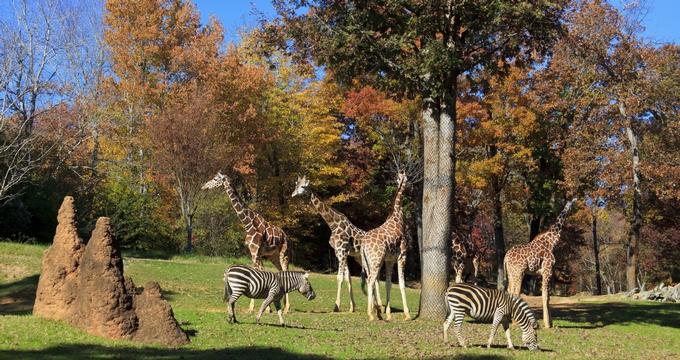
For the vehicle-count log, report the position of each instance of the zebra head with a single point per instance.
(529, 334)
(306, 287)
(301, 186)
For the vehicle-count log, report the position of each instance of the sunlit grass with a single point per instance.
(193, 285)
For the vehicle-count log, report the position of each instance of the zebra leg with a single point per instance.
(497, 318)
(265, 304)
(388, 289)
(348, 278)
(506, 328)
(457, 325)
(447, 323)
(401, 264)
(231, 314)
(277, 304)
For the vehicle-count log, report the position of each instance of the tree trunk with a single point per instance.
(190, 233)
(499, 239)
(534, 226)
(636, 216)
(438, 196)
(596, 253)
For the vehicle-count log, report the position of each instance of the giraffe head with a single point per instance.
(401, 178)
(301, 187)
(218, 180)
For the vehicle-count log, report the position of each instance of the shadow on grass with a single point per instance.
(17, 298)
(592, 316)
(98, 351)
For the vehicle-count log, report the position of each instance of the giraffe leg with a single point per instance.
(460, 266)
(372, 280)
(401, 264)
(545, 294)
(348, 278)
(342, 265)
(377, 292)
(257, 264)
(388, 289)
(475, 265)
(283, 260)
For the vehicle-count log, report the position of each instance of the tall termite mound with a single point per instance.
(84, 285)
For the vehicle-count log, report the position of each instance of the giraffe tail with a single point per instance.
(505, 273)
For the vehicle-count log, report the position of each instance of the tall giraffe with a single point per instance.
(345, 239)
(388, 244)
(536, 257)
(263, 239)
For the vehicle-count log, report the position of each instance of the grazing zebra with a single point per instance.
(489, 305)
(256, 284)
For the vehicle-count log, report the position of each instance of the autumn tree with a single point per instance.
(418, 48)
(605, 59)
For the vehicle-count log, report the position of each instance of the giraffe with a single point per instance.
(263, 239)
(388, 244)
(463, 254)
(536, 257)
(345, 239)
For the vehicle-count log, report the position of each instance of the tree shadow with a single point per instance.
(98, 351)
(17, 298)
(590, 316)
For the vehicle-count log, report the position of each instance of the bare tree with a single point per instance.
(47, 58)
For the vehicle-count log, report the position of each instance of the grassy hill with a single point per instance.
(598, 327)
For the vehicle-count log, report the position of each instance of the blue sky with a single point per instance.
(662, 22)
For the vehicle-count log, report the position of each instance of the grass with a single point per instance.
(602, 327)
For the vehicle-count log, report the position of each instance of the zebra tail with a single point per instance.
(227, 291)
(364, 271)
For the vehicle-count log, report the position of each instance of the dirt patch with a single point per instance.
(12, 272)
(85, 286)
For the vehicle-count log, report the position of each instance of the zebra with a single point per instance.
(489, 305)
(256, 284)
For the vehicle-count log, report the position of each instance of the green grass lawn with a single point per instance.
(602, 328)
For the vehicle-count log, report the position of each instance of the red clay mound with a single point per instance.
(157, 323)
(56, 292)
(85, 286)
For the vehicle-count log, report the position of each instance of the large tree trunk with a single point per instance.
(438, 196)
(596, 253)
(499, 238)
(636, 216)
(636, 221)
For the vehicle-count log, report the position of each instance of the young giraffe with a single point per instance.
(263, 239)
(387, 243)
(345, 239)
(536, 257)
(463, 254)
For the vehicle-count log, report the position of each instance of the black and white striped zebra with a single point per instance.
(256, 284)
(489, 305)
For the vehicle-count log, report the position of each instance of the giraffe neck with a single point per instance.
(324, 210)
(236, 203)
(397, 201)
(556, 228)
